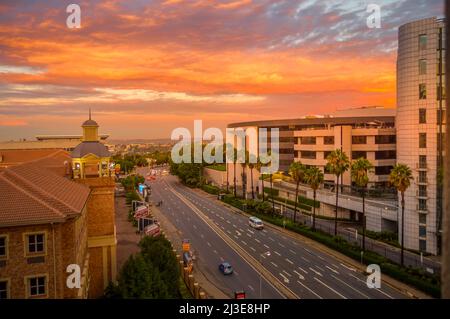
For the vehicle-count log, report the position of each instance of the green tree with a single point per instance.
(359, 171)
(297, 172)
(259, 166)
(251, 165)
(314, 178)
(234, 170)
(400, 178)
(338, 164)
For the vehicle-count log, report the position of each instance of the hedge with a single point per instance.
(211, 189)
(275, 192)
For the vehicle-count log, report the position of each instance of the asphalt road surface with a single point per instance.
(296, 269)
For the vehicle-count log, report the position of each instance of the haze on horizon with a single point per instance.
(147, 67)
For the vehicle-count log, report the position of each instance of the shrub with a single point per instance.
(275, 192)
(211, 189)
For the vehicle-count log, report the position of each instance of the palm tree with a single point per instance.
(244, 175)
(259, 166)
(314, 177)
(400, 178)
(338, 164)
(359, 172)
(251, 166)
(297, 172)
(234, 170)
(225, 146)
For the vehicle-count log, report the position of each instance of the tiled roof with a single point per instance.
(32, 193)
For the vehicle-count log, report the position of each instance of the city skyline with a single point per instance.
(147, 69)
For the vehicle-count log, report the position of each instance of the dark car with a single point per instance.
(225, 268)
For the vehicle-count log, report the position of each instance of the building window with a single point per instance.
(422, 161)
(4, 289)
(422, 176)
(308, 154)
(423, 42)
(422, 245)
(326, 154)
(37, 286)
(422, 116)
(422, 231)
(383, 170)
(422, 66)
(385, 139)
(382, 155)
(308, 140)
(422, 91)
(359, 154)
(422, 191)
(422, 204)
(359, 139)
(422, 140)
(3, 247)
(328, 140)
(423, 219)
(36, 243)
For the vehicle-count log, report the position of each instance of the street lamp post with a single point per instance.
(267, 253)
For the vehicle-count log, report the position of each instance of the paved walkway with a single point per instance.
(127, 239)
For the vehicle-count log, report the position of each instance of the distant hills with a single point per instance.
(141, 141)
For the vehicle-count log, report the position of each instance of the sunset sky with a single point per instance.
(147, 67)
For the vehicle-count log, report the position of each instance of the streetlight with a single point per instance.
(267, 253)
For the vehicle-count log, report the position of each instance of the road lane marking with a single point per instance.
(248, 235)
(236, 273)
(292, 251)
(282, 245)
(289, 261)
(252, 248)
(379, 290)
(228, 232)
(234, 226)
(284, 271)
(285, 279)
(320, 257)
(215, 251)
(243, 242)
(251, 231)
(274, 264)
(221, 258)
(276, 252)
(306, 259)
(235, 236)
(362, 294)
(228, 222)
(316, 272)
(320, 268)
(309, 251)
(195, 227)
(349, 268)
(337, 293)
(251, 288)
(271, 239)
(318, 296)
(299, 275)
(332, 270)
(209, 245)
(257, 240)
(266, 246)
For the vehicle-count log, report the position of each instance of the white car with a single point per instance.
(255, 223)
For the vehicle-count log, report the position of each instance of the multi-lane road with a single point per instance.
(267, 263)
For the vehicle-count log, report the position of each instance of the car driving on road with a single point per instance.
(255, 222)
(225, 268)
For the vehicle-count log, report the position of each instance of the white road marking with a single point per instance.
(276, 252)
(257, 240)
(284, 271)
(289, 261)
(274, 264)
(195, 227)
(266, 246)
(236, 273)
(285, 279)
(215, 251)
(379, 290)
(309, 289)
(349, 268)
(299, 275)
(271, 239)
(235, 236)
(251, 288)
(282, 245)
(251, 232)
(248, 235)
(337, 293)
(234, 226)
(243, 242)
(320, 257)
(332, 270)
(252, 248)
(309, 251)
(207, 243)
(305, 259)
(362, 294)
(320, 268)
(228, 222)
(221, 258)
(315, 271)
(292, 251)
